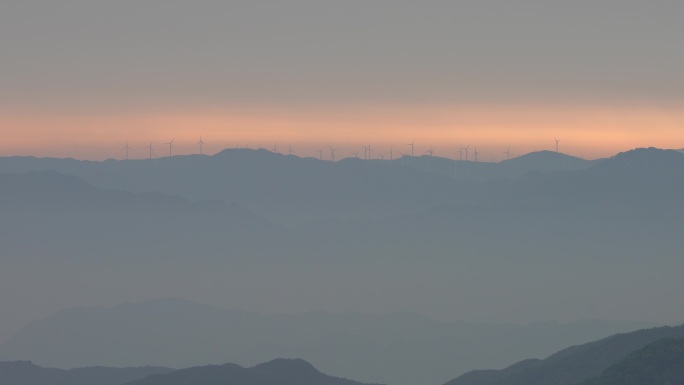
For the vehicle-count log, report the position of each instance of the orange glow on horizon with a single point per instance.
(583, 131)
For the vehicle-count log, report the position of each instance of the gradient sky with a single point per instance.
(78, 78)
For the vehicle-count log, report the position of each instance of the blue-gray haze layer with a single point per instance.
(541, 237)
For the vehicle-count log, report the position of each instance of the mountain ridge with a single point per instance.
(280, 371)
(194, 334)
(27, 373)
(571, 365)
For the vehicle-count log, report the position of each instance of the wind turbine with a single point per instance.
(460, 153)
(201, 145)
(369, 151)
(365, 152)
(150, 148)
(320, 154)
(333, 150)
(413, 145)
(290, 151)
(356, 154)
(476, 154)
(430, 151)
(508, 153)
(126, 148)
(557, 143)
(171, 146)
(391, 152)
(466, 150)
(275, 148)
(382, 156)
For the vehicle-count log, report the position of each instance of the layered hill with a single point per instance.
(48, 215)
(26, 373)
(181, 333)
(296, 190)
(582, 362)
(547, 245)
(281, 371)
(661, 362)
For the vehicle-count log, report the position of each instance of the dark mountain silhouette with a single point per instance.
(541, 161)
(598, 205)
(290, 189)
(295, 190)
(287, 188)
(661, 362)
(572, 365)
(195, 334)
(26, 373)
(280, 371)
(542, 213)
(546, 161)
(624, 207)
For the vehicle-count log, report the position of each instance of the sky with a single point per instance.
(79, 78)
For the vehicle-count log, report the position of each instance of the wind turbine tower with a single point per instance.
(171, 146)
(476, 154)
(508, 153)
(333, 150)
(391, 153)
(126, 148)
(201, 145)
(557, 144)
(412, 145)
(150, 148)
(466, 150)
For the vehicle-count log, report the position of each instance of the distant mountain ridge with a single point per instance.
(661, 362)
(572, 365)
(280, 371)
(289, 189)
(26, 373)
(196, 334)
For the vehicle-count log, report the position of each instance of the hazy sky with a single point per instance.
(80, 77)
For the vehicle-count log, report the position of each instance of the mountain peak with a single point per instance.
(653, 160)
(649, 154)
(287, 366)
(546, 154)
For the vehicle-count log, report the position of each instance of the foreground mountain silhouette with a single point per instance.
(280, 371)
(26, 373)
(661, 362)
(579, 363)
(195, 334)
